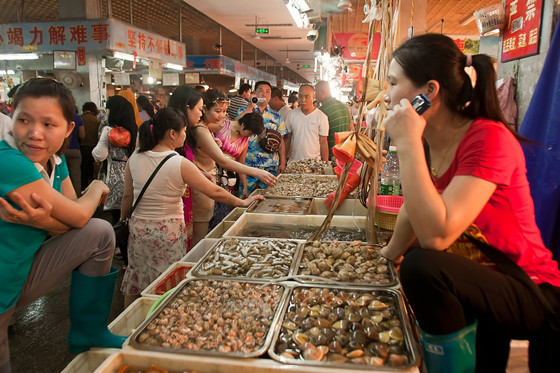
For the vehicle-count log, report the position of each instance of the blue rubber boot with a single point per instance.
(450, 353)
(90, 305)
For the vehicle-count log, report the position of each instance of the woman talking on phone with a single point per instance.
(477, 268)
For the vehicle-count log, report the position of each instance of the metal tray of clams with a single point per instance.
(282, 205)
(350, 264)
(338, 327)
(226, 318)
(249, 258)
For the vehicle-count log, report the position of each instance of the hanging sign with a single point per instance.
(523, 28)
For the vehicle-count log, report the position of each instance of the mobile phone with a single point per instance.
(421, 103)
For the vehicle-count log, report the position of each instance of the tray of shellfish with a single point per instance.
(282, 205)
(213, 317)
(300, 185)
(342, 328)
(308, 166)
(264, 259)
(352, 264)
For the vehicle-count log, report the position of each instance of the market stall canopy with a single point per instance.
(98, 36)
(222, 65)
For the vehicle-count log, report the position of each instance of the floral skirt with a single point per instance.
(153, 245)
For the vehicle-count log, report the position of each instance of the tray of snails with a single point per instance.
(354, 263)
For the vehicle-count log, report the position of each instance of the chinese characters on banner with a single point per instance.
(523, 28)
(93, 36)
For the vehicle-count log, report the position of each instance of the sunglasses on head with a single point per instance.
(221, 100)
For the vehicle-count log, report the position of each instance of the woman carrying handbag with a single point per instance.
(157, 227)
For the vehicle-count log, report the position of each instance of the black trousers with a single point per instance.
(448, 292)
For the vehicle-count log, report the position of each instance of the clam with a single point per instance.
(300, 338)
(313, 353)
(377, 305)
(340, 325)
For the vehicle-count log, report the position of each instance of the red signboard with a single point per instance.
(81, 56)
(523, 28)
(355, 45)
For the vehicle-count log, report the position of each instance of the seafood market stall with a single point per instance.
(256, 296)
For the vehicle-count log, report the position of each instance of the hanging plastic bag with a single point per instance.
(119, 136)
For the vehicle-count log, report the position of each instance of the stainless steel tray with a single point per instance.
(400, 317)
(300, 185)
(250, 264)
(298, 227)
(309, 167)
(184, 343)
(372, 279)
(282, 205)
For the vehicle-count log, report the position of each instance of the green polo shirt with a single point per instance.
(339, 118)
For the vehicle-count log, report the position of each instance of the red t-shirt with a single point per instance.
(507, 222)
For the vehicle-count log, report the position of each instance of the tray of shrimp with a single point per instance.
(344, 328)
(354, 263)
(302, 185)
(308, 166)
(213, 317)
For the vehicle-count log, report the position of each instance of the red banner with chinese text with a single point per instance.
(523, 28)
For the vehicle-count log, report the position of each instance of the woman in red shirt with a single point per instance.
(474, 188)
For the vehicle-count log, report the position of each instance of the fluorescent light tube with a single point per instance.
(173, 66)
(19, 56)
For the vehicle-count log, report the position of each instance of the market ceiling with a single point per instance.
(284, 41)
(289, 42)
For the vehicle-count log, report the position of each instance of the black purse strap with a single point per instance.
(509, 267)
(149, 181)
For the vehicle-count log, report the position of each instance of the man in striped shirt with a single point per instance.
(239, 101)
(338, 114)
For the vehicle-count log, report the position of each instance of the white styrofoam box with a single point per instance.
(220, 229)
(235, 214)
(131, 317)
(206, 364)
(348, 222)
(88, 361)
(150, 291)
(348, 207)
(198, 251)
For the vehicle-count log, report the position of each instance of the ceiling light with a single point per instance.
(302, 6)
(300, 19)
(19, 56)
(173, 66)
(124, 56)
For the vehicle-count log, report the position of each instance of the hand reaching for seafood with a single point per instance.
(247, 202)
(267, 178)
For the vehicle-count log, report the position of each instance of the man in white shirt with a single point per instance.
(277, 103)
(5, 125)
(308, 128)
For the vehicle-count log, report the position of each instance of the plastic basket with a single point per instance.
(172, 279)
(386, 211)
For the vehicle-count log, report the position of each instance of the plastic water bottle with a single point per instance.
(390, 181)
